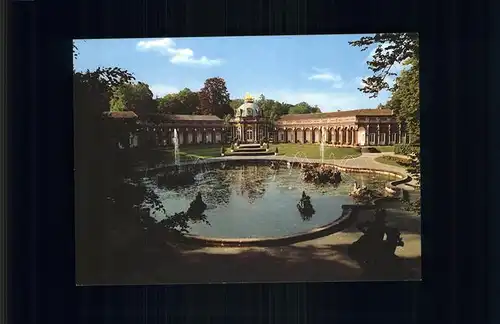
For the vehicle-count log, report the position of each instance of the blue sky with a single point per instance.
(321, 70)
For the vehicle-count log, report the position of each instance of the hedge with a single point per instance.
(406, 149)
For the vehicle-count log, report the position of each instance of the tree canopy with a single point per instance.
(392, 49)
(185, 102)
(136, 97)
(405, 99)
(397, 49)
(214, 98)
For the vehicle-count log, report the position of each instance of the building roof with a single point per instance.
(342, 113)
(194, 117)
(120, 114)
(171, 117)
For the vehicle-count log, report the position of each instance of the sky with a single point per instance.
(321, 70)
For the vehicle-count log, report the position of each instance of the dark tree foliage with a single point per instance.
(114, 231)
(214, 98)
(392, 48)
(402, 49)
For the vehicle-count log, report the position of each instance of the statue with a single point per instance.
(337, 178)
(362, 194)
(197, 206)
(305, 207)
(371, 250)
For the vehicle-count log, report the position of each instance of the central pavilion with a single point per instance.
(248, 124)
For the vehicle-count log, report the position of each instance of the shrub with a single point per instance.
(406, 149)
(276, 150)
(369, 150)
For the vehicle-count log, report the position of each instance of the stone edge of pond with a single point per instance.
(345, 220)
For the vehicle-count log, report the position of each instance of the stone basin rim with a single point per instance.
(330, 228)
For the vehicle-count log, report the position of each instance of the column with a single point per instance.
(295, 135)
(367, 142)
(378, 135)
(257, 135)
(389, 131)
(341, 136)
(400, 134)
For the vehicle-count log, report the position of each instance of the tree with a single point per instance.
(136, 97)
(392, 49)
(301, 108)
(170, 104)
(405, 99)
(315, 109)
(189, 99)
(227, 125)
(214, 98)
(236, 103)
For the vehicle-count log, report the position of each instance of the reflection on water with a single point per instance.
(255, 201)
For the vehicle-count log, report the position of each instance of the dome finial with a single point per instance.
(248, 97)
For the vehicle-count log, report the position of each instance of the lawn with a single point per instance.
(190, 152)
(311, 151)
(392, 160)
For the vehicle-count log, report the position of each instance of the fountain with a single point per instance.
(322, 151)
(177, 160)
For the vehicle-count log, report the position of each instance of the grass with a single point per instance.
(392, 160)
(311, 151)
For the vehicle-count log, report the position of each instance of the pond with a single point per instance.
(254, 201)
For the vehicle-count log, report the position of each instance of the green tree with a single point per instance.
(136, 97)
(227, 125)
(392, 49)
(170, 104)
(190, 100)
(315, 109)
(405, 99)
(236, 103)
(214, 98)
(301, 108)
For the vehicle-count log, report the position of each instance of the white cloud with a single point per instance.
(160, 90)
(166, 46)
(325, 75)
(326, 101)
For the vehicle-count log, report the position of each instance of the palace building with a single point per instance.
(361, 127)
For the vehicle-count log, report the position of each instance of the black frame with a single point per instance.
(40, 161)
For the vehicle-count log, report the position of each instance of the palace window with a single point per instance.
(382, 138)
(282, 137)
(393, 139)
(372, 137)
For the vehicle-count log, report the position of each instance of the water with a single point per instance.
(250, 201)
(322, 151)
(177, 160)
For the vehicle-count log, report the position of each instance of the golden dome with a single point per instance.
(248, 98)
